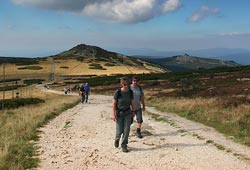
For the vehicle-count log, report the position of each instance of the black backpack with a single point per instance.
(120, 94)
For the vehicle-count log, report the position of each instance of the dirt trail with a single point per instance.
(82, 138)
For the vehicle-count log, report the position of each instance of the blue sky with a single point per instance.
(44, 27)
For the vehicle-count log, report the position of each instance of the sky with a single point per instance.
(31, 28)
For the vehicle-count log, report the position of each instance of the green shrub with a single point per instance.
(10, 80)
(33, 81)
(64, 67)
(109, 64)
(96, 66)
(19, 60)
(7, 88)
(15, 103)
(31, 68)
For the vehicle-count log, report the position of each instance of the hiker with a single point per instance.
(65, 89)
(122, 114)
(70, 89)
(139, 100)
(78, 89)
(87, 89)
(82, 93)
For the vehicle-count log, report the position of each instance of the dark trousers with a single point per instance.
(82, 98)
(86, 97)
(123, 128)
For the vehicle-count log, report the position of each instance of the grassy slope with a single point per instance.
(71, 67)
(19, 127)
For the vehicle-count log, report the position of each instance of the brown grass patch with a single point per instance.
(18, 127)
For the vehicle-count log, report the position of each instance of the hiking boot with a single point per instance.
(138, 133)
(124, 149)
(116, 143)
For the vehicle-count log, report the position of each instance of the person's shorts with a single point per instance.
(138, 114)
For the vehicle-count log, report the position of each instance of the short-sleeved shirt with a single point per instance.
(86, 88)
(123, 100)
(138, 93)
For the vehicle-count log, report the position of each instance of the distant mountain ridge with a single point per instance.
(241, 56)
(187, 62)
(93, 55)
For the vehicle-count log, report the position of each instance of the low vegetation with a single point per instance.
(232, 121)
(19, 60)
(217, 97)
(64, 67)
(18, 102)
(33, 81)
(19, 128)
(31, 68)
(96, 66)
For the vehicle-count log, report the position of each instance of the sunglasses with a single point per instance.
(125, 84)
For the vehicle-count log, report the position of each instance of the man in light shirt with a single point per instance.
(139, 100)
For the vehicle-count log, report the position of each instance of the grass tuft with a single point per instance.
(19, 127)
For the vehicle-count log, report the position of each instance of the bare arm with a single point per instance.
(114, 110)
(143, 103)
(133, 107)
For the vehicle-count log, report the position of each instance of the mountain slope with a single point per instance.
(241, 56)
(186, 62)
(94, 54)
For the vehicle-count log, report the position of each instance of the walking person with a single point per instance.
(87, 89)
(82, 93)
(139, 100)
(122, 114)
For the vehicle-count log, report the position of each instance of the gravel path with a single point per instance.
(82, 138)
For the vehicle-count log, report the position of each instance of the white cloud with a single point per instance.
(202, 13)
(120, 11)
(243, 34)
(171, 5)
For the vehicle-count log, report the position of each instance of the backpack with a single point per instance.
(120, 94)
(121, 113)
(82, 90)
(131, 92)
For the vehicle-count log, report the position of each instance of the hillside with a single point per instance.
(187, 62)
(238, 55)
(97, 56)
(81, 60)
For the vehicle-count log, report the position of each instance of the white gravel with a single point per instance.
(82, 138)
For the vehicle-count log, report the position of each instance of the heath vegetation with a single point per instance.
(19, 126)
(216, 97)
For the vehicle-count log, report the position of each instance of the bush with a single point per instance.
(31, 68)
(33, 81)
(96, 66)
(15, 103)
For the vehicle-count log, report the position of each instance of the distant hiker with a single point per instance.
(82, 93)
(46, 86)
(139, 100)
(122, 114)
(78, 89)
(87, 89)
(70, 89)
(65, 90)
